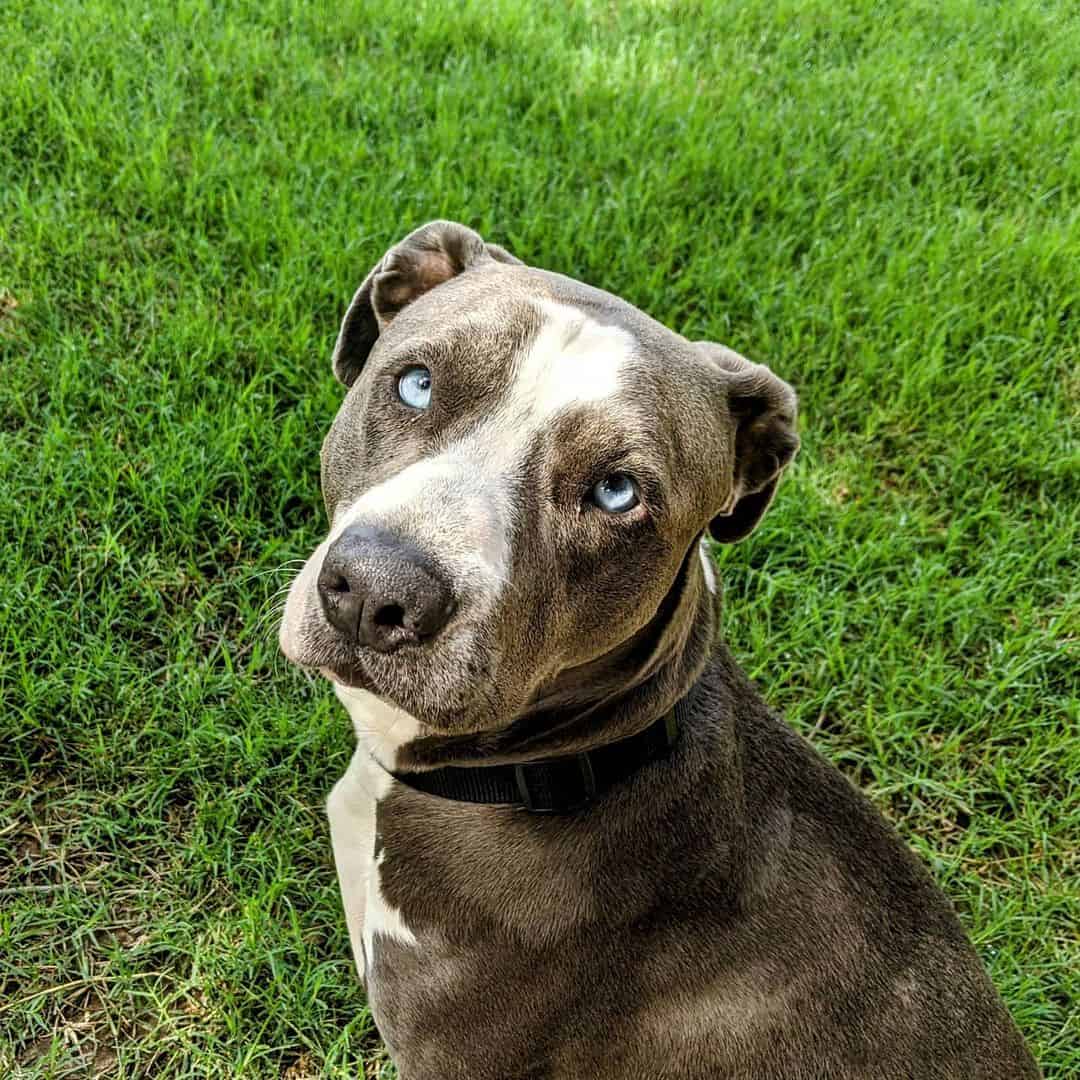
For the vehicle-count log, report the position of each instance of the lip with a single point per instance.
(350, 679)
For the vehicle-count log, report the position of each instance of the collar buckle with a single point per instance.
(537, 803)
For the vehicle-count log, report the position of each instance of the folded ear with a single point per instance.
(762, 409)
(425, 259)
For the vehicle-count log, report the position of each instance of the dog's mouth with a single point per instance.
(363, 668)
(446, 683)
(446, 679)
(351, 674)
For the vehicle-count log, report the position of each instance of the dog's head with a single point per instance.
(520, 469)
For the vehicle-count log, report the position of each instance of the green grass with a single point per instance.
(882, 201)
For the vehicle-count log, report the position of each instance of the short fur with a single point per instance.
(736, 910)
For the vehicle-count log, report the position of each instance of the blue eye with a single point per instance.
(615, 494)
(414, 387)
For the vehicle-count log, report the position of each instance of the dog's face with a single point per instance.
(520, 468)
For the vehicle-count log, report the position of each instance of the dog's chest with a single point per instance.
(446, 986)
(353, 810)
(429, 990)
(359, 857)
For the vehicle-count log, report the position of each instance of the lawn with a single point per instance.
(881, 201)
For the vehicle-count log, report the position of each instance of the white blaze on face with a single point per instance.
(573, 361)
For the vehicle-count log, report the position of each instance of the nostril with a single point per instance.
(390, 615)
(342, 599)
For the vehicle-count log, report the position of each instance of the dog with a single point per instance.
(573, 842)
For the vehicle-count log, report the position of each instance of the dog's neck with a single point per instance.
(610, 698)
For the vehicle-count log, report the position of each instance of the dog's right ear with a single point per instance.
(762, 411)
(426, 258)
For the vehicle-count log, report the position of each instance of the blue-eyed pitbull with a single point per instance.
(514, 606)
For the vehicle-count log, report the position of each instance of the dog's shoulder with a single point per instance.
(788, 785)
(822, 861)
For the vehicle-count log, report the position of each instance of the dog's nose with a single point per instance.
(382, 591)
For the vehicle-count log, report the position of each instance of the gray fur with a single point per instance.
(737, 910)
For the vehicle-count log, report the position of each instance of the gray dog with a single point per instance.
(573, 843)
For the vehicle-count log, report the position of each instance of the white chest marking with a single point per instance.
(380, 727)
(381, 917)
(380, 730)
(707, 567)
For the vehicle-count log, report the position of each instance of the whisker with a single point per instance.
(290, 566)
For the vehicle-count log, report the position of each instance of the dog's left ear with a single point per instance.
(425, 259)
(762, 409)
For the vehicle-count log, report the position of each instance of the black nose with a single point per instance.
(381, 590)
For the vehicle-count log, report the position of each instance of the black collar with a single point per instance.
(553, 785)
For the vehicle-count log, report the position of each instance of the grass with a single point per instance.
(880, 200)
